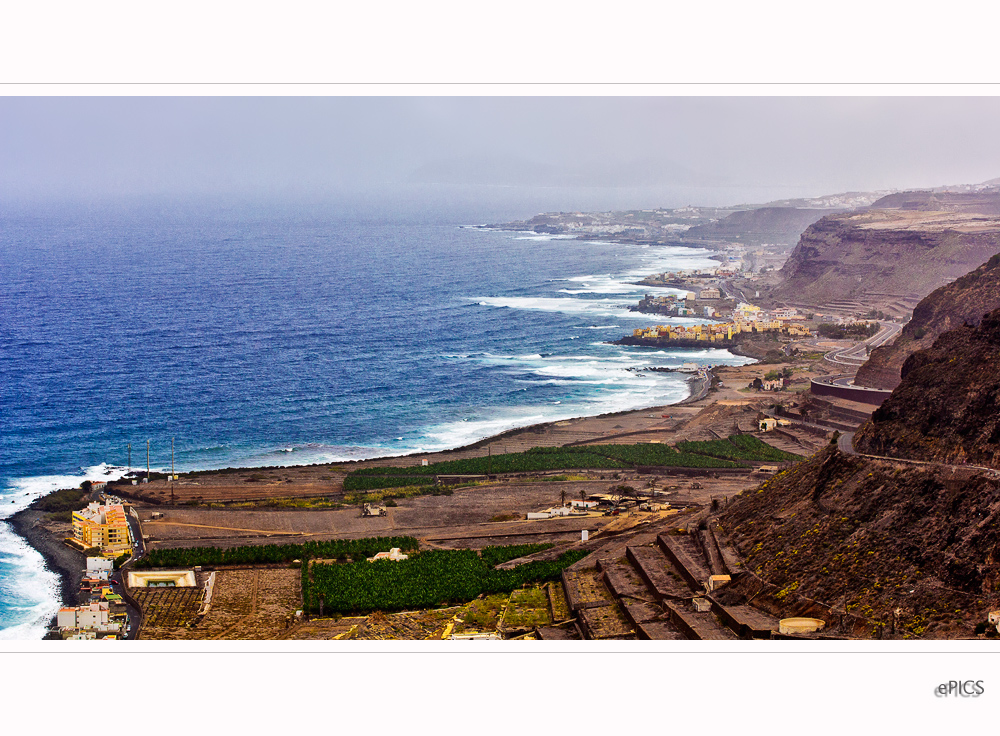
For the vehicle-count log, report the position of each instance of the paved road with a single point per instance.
(134, 613)
(845, 443)
(857, 354)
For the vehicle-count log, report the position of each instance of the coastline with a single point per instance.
(66, 563)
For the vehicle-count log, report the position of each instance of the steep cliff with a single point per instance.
(947, 406)
(876, 255)
(963, 301)
(914, 550)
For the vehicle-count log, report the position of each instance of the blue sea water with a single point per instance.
(272, 335)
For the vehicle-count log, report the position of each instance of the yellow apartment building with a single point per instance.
(102, 526)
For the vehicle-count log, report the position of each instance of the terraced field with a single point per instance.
(246, 604)
(166, 609)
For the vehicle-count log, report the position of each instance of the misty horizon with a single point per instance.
(655, 151)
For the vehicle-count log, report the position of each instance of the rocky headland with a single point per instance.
(891, 256)
(913, 547)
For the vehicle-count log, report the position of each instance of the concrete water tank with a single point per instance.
(800, 625)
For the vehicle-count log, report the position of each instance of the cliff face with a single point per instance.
(880, 254)
(963, 301)
(947, 406)
(915, 550)
(765, 224)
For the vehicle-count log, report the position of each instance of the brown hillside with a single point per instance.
(963, 301)
(772, 224)
(877, 255)
(947, 406)
(984, 202)
(914, 550)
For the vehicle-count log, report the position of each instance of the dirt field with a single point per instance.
(246, 604)
(494, 513)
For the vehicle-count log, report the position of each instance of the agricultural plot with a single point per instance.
(739, 447)
(493, 556)
(606, 622)
(557, 601)
(537, 459)
(527, 608)
(264, 554)
(482, 615)
(426, 580)
(409, 625)
(246, 604)
(167, 608)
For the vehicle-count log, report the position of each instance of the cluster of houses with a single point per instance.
(102, 528)
(689, 305)
(606, 503)
(745, 318)
(104, 616)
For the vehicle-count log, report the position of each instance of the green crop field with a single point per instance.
(263, 554)
(426, 580)
(592, 457)
(739, 447)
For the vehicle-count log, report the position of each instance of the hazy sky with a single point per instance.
(52, 146)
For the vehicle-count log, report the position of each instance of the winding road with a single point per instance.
(857, 354)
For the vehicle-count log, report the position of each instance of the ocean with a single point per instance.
(272, 334)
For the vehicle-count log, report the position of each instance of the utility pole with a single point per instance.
(171, 458)
(130, 458)
(147, 460)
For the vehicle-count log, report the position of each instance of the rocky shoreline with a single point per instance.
(65, 562)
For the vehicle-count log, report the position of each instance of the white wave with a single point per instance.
(565, 305)
(546, 236)
(34, 588)
(666, 389)
(22, 491)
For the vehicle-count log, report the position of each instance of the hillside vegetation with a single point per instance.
(912, 549)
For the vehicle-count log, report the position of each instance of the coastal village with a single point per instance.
(102, 532)
(745, 318)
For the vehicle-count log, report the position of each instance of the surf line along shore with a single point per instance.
(662, 423)
(33, 525)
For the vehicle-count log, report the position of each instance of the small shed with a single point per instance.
(717, 581)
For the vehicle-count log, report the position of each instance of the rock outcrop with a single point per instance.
(947, 407)
(765, 224)
(963, 301)
(915, 550)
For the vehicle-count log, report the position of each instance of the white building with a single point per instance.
(393, 554)
(92, 617)
(550, 513)
(97, 565)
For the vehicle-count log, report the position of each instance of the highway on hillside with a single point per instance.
(857, 354)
